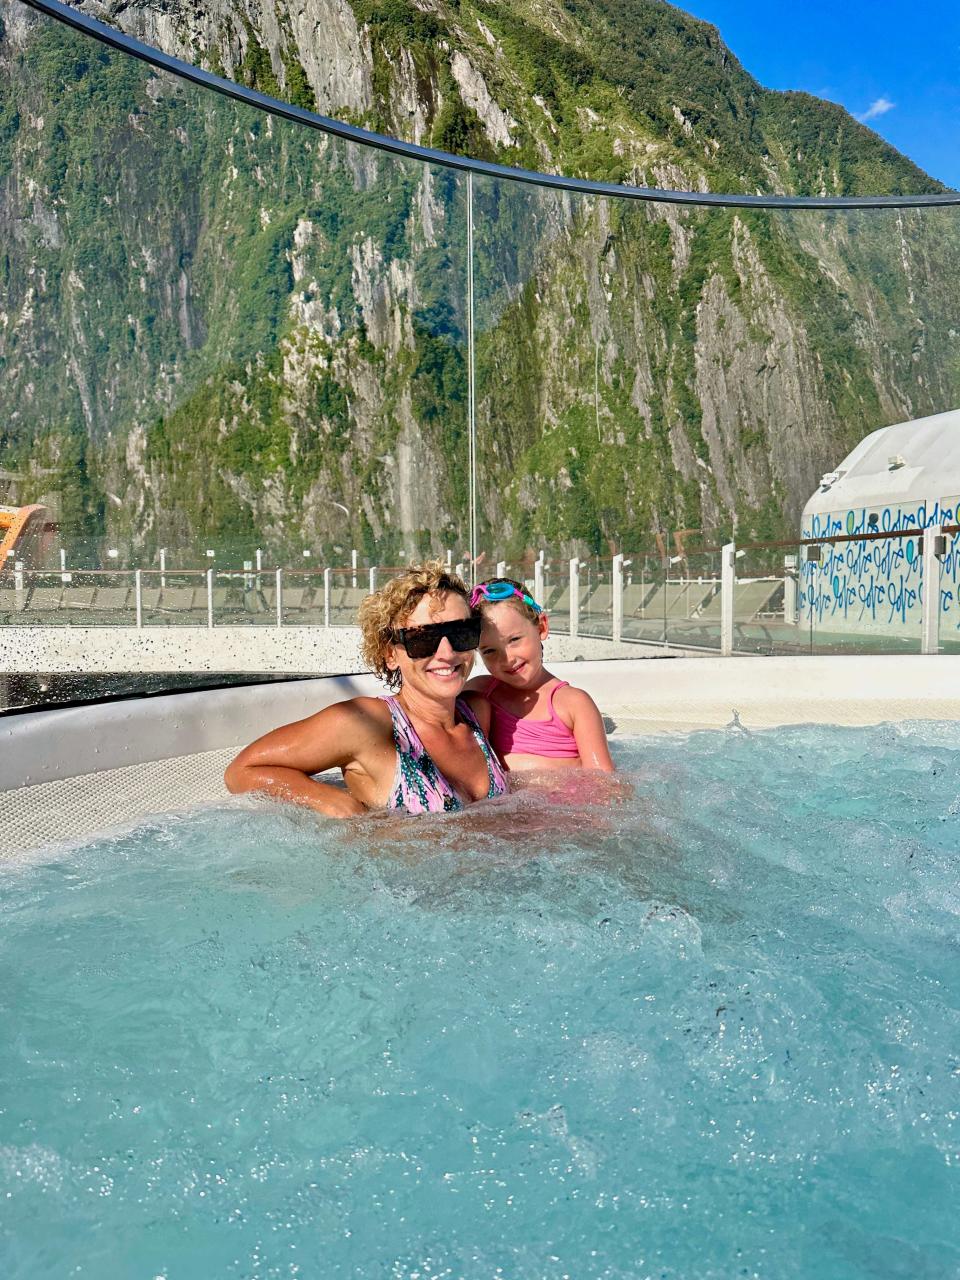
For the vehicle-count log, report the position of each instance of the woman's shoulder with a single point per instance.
(353, 715)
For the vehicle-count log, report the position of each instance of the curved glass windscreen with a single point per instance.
(250, 368)
(657, 382)
(232, 345)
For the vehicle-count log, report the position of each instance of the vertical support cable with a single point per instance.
(327, 576)
(209, 598)
(596, 391)
(279, 598)
(471, 390)
(138, 597)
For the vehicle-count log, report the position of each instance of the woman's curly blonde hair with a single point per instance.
(387, 609)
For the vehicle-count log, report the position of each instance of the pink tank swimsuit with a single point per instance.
(509, 734)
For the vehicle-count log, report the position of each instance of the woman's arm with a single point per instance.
(280, 763)
(586, 725)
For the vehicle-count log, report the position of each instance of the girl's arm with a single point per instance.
(586, 725)
(280, 763)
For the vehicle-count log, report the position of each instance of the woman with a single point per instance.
(419, 750)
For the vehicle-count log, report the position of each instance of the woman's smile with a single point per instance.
(447, 670)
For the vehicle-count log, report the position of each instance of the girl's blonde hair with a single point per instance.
(387, 609)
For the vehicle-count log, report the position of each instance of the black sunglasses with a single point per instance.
(423, 642)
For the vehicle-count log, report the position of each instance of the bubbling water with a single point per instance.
(707, 1025)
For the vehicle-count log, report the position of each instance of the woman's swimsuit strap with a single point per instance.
(418, 785)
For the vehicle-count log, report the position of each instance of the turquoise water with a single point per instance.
(712, 1031)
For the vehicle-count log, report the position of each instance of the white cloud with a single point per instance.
(878, 108)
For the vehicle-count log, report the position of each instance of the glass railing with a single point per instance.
(644, 589)
(176, 597)
(289, 347)
(863, 593)
(692, 602)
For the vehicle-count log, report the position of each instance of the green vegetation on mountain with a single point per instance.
(244, 329)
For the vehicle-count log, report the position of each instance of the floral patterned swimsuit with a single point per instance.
(418, 785)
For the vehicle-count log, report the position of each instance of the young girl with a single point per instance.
(537, 721)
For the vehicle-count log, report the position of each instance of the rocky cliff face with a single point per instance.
(214, 321)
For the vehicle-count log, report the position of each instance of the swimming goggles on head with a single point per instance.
(496, 592)
(423, 642)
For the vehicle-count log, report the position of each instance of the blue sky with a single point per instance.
(894, 64)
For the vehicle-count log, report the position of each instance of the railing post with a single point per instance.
(728, 587)
(210, 598)
(373, 578)
(501, 568)
(934, 546)
(20, 598)
(616, 632)
(279, 597)
(327, 583)
(63, 566)
(353, 561)
(138, 597)
(163, 567)
(574, 597)
(538, 579)
(449, 558)
(790, 590)
(460, 570)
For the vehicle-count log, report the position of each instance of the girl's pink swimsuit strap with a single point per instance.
(509, 734)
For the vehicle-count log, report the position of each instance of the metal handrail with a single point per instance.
(522, 562)
(427, 155)
(824, 539)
